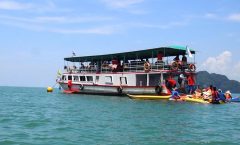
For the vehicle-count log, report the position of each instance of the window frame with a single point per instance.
(110, 78)
(87, 78)
(80, 78)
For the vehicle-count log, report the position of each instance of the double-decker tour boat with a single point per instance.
(142, 72)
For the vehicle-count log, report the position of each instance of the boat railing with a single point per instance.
(136, 66)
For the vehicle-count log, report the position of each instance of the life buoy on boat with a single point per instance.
(174, 65)
(147, 66)
(81, 87)
(119, 90)
(158, 90)
(192, 67)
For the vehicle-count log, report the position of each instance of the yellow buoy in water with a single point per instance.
(49, 89)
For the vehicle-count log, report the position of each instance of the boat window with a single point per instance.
(97, 79)
(108, 79)
(82, 78)
(64, 77)
(76, 78)
(89, 78)
(141, 80)
(69, 77)
(154, 79)
(123, 80)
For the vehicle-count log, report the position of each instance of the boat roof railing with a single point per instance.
(132, 55)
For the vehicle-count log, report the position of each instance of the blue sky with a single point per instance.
(36, 35)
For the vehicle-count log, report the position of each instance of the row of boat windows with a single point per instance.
(108, 79)
(78, 78)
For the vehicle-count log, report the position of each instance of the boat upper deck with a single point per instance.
(155, 59)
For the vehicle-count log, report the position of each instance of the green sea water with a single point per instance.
(33, 116)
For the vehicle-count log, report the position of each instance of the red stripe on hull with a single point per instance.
(112, 85)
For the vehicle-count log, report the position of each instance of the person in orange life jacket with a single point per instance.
(170, 83)
(69, 84)
(191, 84)
(215, 96)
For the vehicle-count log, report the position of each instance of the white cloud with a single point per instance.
(65, 19)
(234, 17)
(60, 24)
(210, 16)
(219, 63)
(237, 68)
(166, 25)
(105, 30)
(222, 64)
(121, 3)
(33, 7)
(55, 19)
(13, 5)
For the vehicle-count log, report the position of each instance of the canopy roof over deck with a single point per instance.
(132, 55)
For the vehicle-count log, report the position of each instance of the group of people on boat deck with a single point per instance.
(184, 60)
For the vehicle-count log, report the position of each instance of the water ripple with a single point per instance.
(32, 116)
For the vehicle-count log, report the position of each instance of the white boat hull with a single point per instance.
(109, 90)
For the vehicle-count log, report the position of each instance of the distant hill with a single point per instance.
(204, 79)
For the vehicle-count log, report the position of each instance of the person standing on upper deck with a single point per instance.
(176, 58)
(184, 60)
(159, 57)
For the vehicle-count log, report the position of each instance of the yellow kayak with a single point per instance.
(149, 97)
(195, 100)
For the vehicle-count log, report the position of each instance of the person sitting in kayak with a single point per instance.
(222, 97)
(197, 94)
(206, 95)
(175, 95)
(228, 95)
(215, 96)
(209, 90)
